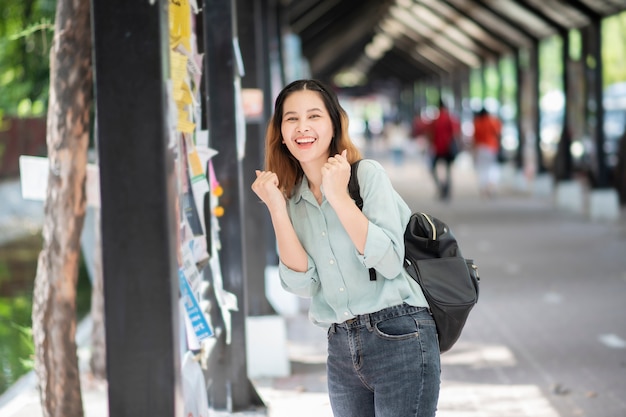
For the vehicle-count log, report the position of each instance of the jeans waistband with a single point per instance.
(385, 313)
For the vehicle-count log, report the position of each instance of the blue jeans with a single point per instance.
(384, 364)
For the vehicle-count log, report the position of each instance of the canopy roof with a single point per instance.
(413, 39)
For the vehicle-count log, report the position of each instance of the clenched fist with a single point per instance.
(335, 177)
(266, 187)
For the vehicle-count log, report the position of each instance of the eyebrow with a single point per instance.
(308, 111)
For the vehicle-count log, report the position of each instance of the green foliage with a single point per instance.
(16, 349)
(509, 79)
(476, 83)
(26, 31)
(550, 64)
(17, 272)
(614, 48)
(613, 54)
(18, 268)
(575, 45)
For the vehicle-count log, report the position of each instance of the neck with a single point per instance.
(313, 172)
(314, 177)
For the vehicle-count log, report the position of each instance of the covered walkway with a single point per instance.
(420, 50)
(160, 98)
(547, 338)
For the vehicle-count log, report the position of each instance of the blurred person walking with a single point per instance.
(444, 131)
(486, 145)
(396, 135)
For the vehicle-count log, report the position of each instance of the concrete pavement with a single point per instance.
(517, 356)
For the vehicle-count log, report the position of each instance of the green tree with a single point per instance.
(26, 30)
(614, 48)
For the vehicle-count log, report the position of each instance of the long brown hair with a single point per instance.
(278, 159)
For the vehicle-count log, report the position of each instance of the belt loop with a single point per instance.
(368, 322)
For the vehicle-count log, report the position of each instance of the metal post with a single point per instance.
(228, 384)
(138, 192)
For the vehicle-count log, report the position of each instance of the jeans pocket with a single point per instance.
(397, 328)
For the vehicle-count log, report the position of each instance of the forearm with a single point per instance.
(290, 250)
(353, 220)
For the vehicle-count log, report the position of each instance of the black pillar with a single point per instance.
(595, 81)
(563, 164)
(274, 70)
(536, 116)
(519, 114)
(228, 384)
(458, 79)
(252, 33)
(138, 193)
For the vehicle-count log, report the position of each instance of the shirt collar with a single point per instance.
(302, 191)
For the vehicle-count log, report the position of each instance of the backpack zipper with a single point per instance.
(432, 225)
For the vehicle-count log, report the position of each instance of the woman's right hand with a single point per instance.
(266, 187)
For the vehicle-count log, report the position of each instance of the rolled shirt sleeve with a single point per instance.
(303, 284)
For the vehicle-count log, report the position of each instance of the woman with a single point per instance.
(383, 356)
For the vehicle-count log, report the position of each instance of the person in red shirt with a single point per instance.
(444, 131)
(487, 131)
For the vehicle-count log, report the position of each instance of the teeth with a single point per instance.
(305, 140)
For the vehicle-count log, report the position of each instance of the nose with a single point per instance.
(302, 126)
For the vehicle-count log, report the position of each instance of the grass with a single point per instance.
(18, 268)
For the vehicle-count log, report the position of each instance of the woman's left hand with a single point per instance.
(335, 177)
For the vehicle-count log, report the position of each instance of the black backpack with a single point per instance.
(433, 259)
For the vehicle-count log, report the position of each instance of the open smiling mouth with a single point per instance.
(305, 141)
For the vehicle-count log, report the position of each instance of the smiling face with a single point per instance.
(306, 126)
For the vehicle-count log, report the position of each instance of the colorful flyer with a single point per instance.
(200, 325)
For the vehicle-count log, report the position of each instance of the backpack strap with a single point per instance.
(355, 193)
(353, 185)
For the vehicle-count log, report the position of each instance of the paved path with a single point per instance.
(547, 338)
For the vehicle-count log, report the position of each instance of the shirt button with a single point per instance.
(345, 313)
(341, 289)
(323, 233)
(332, 261)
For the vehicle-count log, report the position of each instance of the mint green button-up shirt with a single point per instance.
(337, 277)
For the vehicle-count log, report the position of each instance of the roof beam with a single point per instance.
(433, 36)
(470, 29)
(510, 36)
(473, 6)
(584, 9)
(426, 35)
(419, 60)
(347, 35)
(541, 15)
(520, 21)
(445, 28)
(313, 14)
